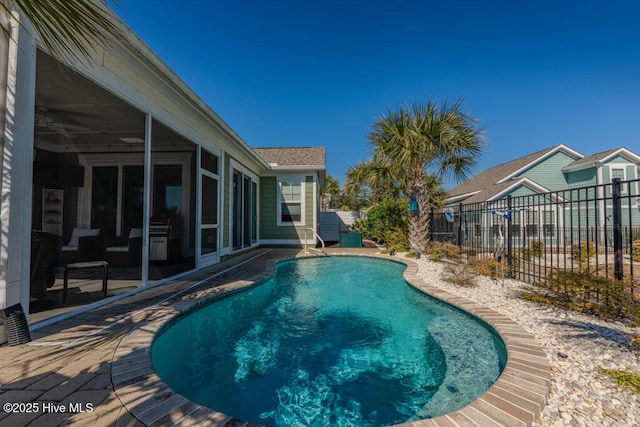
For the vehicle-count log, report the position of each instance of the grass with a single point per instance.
(625, 379)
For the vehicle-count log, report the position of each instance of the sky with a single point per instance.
(320, 73)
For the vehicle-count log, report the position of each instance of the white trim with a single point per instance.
(527, 183)
(600, 162)
(548, 154)
(276, 173)
(198, 213)
(302, 179)
(214, 257)
(310, 168)
(460, 196)
(146, 210)
(315, 209)
(601, 201)
(623, 167)
(286, 242)
(91, 160)
(17, 150)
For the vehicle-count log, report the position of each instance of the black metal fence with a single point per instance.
(594, 227)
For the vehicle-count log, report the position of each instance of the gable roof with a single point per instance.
(493, 181)
(495, 174)
(595, 160)
(293, 157)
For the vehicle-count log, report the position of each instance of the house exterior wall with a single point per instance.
(581, 178)
(548, 172)
(269, 228)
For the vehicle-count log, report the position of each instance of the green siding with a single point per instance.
(522, 190)
(548, 173)
(269, 211)
(618, 159)
(581, 178)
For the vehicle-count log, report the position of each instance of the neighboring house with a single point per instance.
(543, 185)
(123, 149)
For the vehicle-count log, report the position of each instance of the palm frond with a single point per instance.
(69, 29)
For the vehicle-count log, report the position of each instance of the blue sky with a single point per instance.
(319, 73)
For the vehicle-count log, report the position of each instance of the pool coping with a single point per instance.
(515, 399)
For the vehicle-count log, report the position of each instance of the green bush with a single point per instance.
(583, 251)
(383, 220)
(396, 239)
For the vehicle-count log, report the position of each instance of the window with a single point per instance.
(617, 173)
(549, 224)
(532, 223)
(291, 206)
(515, 224)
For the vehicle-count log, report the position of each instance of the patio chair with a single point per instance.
(125, 253)
(85, 244)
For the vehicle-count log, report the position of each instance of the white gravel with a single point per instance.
(577, 347)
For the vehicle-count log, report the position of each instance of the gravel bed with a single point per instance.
(577, 346)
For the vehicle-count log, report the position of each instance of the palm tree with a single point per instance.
(69, 29)
(414, 144)
(329, 191)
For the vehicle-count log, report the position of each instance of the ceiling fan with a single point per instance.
(58, 121)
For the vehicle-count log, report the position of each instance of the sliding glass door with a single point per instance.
(244, 211)
(209, 192)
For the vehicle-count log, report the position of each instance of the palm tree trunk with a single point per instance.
(419, 221)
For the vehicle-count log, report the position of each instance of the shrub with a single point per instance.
(459, 274)
(635, 250)
(526, 253)
(382, 218)
(438, 251)
(396, 238)
(588, 291)
(583, 250)
(489, 267)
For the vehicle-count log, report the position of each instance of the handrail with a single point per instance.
(306, 249)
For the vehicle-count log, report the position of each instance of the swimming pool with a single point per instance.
(330, 341)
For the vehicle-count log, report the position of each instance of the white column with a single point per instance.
(18, 87)
(148, 122)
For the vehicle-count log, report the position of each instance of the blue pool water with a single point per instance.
(330, 341)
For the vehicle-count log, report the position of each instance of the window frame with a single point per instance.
(289, 179)
(623, 168)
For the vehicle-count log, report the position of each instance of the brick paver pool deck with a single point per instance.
(98, 363)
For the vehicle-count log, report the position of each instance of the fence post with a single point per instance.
(617, 228)
(509, 239)
(460, 226)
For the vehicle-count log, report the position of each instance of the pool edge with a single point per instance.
(515, 399)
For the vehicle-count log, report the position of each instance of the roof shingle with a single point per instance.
(293, 156)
